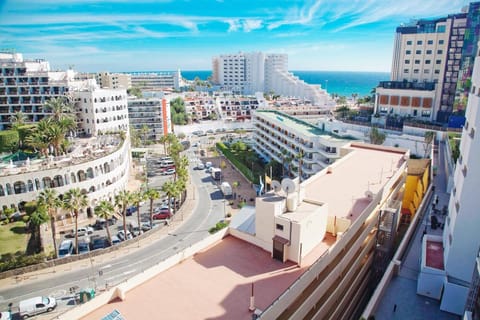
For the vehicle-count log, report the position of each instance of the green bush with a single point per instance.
(219, 226)
(236, 162)
(30, 207)
(8, 140)
(19, 260)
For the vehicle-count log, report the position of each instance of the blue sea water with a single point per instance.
(343, 83)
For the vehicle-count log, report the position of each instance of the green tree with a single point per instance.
(37, 218)
(152, 195)
(137, 197)
(50, 200)
(135, 91)
(376, 137)
(74, 200)
(169, 188)
(60, 109)
(105, 210)
(122, 200)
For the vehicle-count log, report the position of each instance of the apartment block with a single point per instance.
(294, 142)
(25, 86)
(156, 80)
(151, 113)
(247, 73)
(113, 80)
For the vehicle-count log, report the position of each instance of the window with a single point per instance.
(279, 227)
(417, 61)
(405, 70)
(427, 61)
(437, 71)
(415, 70)
(407, 61)
(430, 42)
(426, 71)
(409, 42)
(438, 61)
(425, 113)
(440, 41)
(419, 42)
(429, 51)
(441, 29)
(418, 52)
(408, 52)
(439, 51)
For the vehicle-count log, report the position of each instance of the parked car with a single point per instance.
(122, 237)
(208, 164)
(37, 305)
(162, 215)
(83, 247)
(65, 249)
(146, 226)
(200, 166)
(115, 240)
(101, 223)
(5, 315)
(136, 231)
(131, 210)
(84, 231)
(99, 243)
(210, 131)
(168, 172)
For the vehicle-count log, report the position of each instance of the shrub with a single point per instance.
(19, 260)
(30, 207)
(219, 226)
(8, 140)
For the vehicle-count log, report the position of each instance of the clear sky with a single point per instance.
(138, 35)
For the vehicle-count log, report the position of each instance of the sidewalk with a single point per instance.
(400, 300)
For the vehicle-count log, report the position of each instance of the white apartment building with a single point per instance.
(461, 240)
(248, 73)
(156, 80)
(113, 80)
(153, 113)
(100, 110)
(282, 137)
(25, 85)
(425, 68)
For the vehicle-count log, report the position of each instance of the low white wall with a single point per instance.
(251, 239)
(123, 288)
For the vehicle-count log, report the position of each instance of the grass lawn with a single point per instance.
(13, 237)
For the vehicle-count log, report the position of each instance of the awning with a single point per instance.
(281, 240)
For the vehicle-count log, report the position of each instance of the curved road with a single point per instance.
(208, 211)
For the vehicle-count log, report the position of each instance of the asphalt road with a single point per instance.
(208, 211)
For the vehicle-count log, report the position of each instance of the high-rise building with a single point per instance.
(426, 66)
(157, 80)
(450, 280)
(247, 73)
(25, 85)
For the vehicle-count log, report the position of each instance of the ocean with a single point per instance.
(343, 83)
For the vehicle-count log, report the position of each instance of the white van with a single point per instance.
(33, 306)
(166, 163)
(65, 249)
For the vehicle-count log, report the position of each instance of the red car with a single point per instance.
(164, 214)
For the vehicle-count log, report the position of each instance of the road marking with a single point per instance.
(106, 266)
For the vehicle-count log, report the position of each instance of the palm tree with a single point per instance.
(137, 197)
(18, 119)
(122, 200)
(37, 218)
(152, 195)
(164, 140)
(105, 210)
(74, 200)
(56, 137)
(144, 132)
(235, 186)
(169, 189)
(49, 198)
(59, 108)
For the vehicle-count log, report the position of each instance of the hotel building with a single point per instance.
(156, 80)
(449, 277)
(427, 62)
(248, 73)
(98, 163)
(152, 113)
(25, 85)
(282, 137)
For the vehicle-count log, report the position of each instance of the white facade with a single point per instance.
(153, 113)
(157, 80)
(100, 110)
(461, 238)
(279, 136)
(247, 73)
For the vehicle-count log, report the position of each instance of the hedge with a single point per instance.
(237, 163)
(8, 140)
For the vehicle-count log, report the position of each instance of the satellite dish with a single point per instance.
(288, 185)
(276, 186)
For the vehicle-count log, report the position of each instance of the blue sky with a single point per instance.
(122, 35)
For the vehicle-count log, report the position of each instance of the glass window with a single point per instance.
(438, 62)
(407, 61)
(405, 70)
(441, 29)
(408, 52)
(439, 51)
(418, 52)
(419, 42)
(427, 61)
(409, 42)
(440, 41)
(437, 71)
(417, 61)
(430, 42)
(429, 51)
(415, 71)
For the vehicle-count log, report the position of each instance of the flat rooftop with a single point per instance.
(213, 284)
(365, 168)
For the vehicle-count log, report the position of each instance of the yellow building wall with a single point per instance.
(416, 185)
